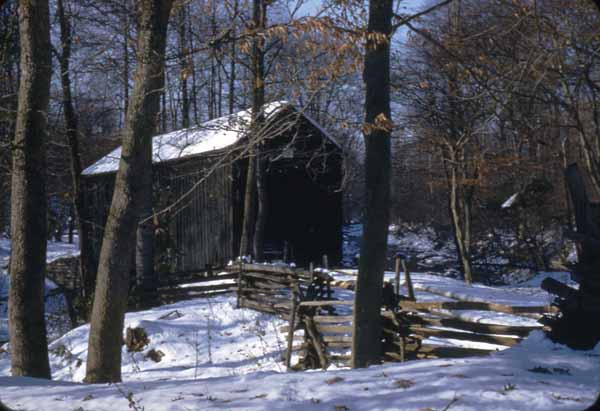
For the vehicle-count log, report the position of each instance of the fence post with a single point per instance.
(239, 284)
(313, 333)
(292, 326)
(397, 277)
(409, 284)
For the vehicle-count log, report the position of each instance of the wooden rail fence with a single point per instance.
(326, 338)
(277, 289)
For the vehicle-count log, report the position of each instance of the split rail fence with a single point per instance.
(324, 328)
(326, 338)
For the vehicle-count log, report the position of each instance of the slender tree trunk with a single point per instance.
(163, 112)
(249, 207)
(183, 71)
(232, 62)
(125, 77)
(250, 223)
(456, 216)
(86, 266)
(219, 87)
(27, 327)
(366, 342)
(212, 97)
(258, 101)
(194, 81)
(262, 207)
(106, 330)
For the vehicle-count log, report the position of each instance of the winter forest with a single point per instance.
(299, 205)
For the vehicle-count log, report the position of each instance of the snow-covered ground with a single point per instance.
(220, 358)
(216, 357)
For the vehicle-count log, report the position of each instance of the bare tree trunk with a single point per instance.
(86, 266)
(106, 331)
(232, 62)
(27, 327)
(249, 207)
(194, 82)
(163, 112)
(262, 207)
(457, 212)
(183, 71)
(125, 78)
(366, 342)
(258, 101)
(212, 94)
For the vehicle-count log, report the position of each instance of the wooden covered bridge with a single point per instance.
(200, 176)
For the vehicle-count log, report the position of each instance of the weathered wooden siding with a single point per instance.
(199, 230)
(98, 190)
(202, 227)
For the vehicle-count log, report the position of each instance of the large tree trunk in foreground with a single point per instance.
(366, 342)
(27, 327)
(87, 268)
(115, 264)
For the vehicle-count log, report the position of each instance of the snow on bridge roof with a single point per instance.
(213, 135)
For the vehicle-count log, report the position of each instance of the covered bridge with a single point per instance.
(199, 184)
